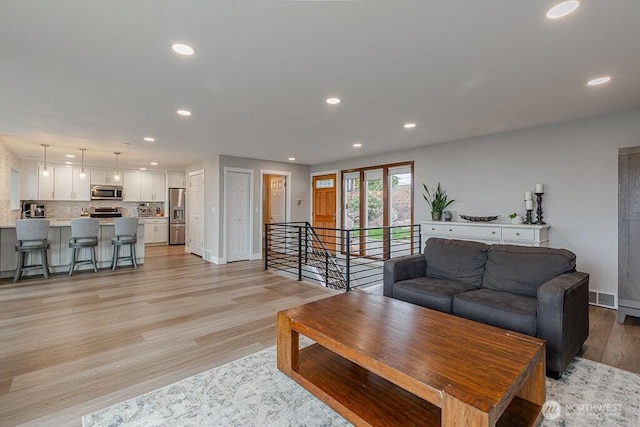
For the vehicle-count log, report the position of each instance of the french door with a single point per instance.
(376, 197)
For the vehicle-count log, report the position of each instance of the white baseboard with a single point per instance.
(218, 260)
(257, 255)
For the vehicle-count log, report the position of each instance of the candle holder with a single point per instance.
(539, 220)
(528, 219)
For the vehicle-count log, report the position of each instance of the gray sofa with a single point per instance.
(535, 291)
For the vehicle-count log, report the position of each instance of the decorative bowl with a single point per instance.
(479, 218)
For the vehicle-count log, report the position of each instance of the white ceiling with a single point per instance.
(97, 74)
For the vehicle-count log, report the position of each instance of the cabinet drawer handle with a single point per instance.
(493, 232)
(433, 229)
(517, 234)
(450, 230)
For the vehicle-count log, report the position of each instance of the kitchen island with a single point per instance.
(60, 254)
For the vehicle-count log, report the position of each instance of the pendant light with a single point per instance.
(82, 174)
(116, 174)
(45, 172)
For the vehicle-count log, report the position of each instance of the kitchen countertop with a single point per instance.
(66, 222)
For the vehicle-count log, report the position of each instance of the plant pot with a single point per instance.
(436, 215)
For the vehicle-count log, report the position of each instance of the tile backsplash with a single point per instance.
(70, 209)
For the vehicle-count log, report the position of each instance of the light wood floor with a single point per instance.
(71, 346)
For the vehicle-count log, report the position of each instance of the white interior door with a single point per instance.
(238, 216)
(196, 213)
(278, 185)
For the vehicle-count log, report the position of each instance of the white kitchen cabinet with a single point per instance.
(131, 186)
(28, 180)
(156, 230)
(62, 183)
(176, 180)
(45, 183)
(152, 187)
(144, 187)
(104, 177)
(521, 234)
(67, 184)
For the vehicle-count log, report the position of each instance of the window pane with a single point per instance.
(375, 211)
(324, 183)
(400, 206)
(351, 202)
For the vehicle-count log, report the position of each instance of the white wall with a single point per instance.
(300, 185)
(577, 161)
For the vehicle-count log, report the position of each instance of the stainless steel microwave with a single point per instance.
(106, 192)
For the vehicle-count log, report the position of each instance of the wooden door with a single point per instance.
(324, 208)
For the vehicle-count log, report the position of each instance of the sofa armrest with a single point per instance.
(402, 268)
(563, 317)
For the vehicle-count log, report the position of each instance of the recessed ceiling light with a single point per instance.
(409, 125)
(184, 112)
(70, 156)
(126, 143)
(357, 145)
(149, 139)
(562, 9)
(599, 81)
(154, 163)
(182, 49)
(143, 169)
(291, 159)
(68, 163)
(333, 101)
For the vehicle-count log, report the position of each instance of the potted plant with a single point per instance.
(437, 201)
(515, 218)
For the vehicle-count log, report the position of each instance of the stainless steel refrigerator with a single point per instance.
(176, 216)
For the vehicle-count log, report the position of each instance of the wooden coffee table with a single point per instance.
(380, 361)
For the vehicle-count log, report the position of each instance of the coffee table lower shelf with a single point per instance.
(365, 398)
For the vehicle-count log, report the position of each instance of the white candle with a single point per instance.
(528, 205)
(528, 195)
(539, 188)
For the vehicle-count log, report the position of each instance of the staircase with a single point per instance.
(299, 249)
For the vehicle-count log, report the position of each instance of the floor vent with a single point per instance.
(602, 299)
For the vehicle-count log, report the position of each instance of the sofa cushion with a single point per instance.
(502, 309)
(522, 269)
(430, 292)
(456, 260)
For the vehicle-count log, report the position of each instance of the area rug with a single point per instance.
(252, 392)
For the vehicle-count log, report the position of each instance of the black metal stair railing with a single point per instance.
(341, 259)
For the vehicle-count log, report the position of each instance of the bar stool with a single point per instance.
(126, 230)
(84, 234)
(32, 235)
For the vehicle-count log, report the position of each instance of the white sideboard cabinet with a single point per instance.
(521, 234)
